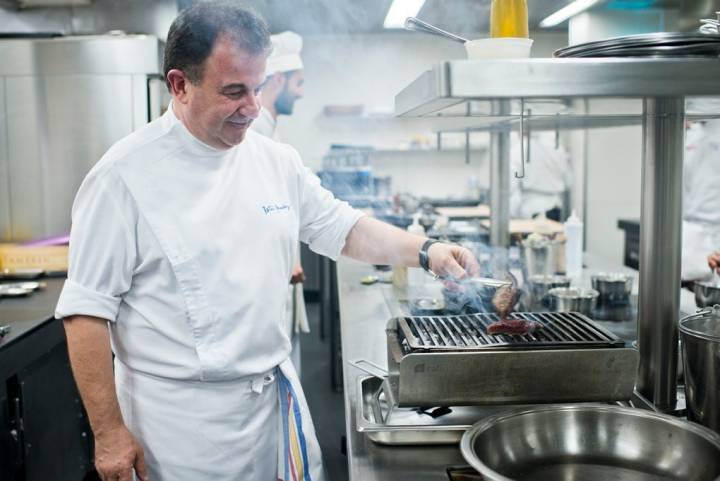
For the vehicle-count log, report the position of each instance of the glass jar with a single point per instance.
(509, 18)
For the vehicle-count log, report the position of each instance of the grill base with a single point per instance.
(509, 375)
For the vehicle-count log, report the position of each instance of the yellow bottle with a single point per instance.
(509, 18)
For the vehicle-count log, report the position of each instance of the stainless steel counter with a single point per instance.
(364, 312)
(363, 315)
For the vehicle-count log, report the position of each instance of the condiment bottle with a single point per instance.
(509, 18)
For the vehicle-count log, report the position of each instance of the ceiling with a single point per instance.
(363, 16)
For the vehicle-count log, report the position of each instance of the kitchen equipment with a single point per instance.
(541, 256)
(572, 299)
(700, 336)
(707, 293)
(4, 330)
(14, 291)
(452, 361)
(612, 286)
(13, 274)
(486, 48)
(426, 306)
(589, 443)
(384, 423)
(417, 25)
(540, 285)
(661, 44)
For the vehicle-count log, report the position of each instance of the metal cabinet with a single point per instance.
(44, 431)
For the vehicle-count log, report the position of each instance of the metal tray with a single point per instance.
(405, 426)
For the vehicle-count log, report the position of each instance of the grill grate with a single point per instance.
(469, 332)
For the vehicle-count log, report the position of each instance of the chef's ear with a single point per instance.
(179, 83)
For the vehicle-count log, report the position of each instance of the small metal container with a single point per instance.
(541, 257)
(571, 299)
(541, 285)
(700, 336)
(612, 286)
(707, 293)
(591, 443)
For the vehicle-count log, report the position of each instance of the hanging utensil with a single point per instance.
(416, 25)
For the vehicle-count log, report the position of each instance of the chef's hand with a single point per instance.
(453, 261)
(117, 453)
(714, 261)
(298, 274)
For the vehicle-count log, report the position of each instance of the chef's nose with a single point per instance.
(252, 106)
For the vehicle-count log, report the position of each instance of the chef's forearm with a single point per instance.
(91, 359)
(376, 242)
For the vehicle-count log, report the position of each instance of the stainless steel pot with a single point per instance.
(612, 286)
(570, 299)
(543, 257)
(700, 336)
(707, 293)
(541, 285)
(591, 443)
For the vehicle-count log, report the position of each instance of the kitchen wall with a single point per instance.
(368, 70)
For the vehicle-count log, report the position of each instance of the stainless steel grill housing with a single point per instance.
(453, 361)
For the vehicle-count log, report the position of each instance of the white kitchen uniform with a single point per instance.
(548, 175)
(701, 199)
(187, 250)
(296, 313)
(265, 124)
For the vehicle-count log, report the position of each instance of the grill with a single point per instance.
(469, 333)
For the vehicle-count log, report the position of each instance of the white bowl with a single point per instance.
(497, 48)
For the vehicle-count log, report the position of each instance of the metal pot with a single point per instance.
(700, 336)
(571, 299)
(541, 285)
(612, 286)
(543, 257)
(591, 443)
(707, 293)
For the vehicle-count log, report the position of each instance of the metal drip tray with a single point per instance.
(469, 333)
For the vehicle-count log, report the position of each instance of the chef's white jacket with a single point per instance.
(188, 250)
(701, 198)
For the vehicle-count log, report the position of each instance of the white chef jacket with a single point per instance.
(548, 175)
(188, 250)
(265, 124)
(701, 198)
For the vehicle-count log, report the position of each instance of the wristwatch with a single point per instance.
(423, 255)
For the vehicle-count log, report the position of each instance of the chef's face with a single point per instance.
(221, 106)
(292, 91)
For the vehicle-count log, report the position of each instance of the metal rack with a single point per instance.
(501, 92)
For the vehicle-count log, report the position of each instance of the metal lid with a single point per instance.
(661, 44)
(705, 324)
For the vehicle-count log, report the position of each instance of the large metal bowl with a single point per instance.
(591, 443)
(707, 294)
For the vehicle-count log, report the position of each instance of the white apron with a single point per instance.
(255, 428)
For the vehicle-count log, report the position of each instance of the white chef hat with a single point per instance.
(285, 56)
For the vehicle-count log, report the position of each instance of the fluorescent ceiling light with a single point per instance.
(400, 10)
(568, 11)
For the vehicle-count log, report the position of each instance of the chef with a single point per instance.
(701, 194)
(181, 248)
(548, 176)
(283, 86)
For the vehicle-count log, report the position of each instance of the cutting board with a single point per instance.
(474, 212)
(525, 226)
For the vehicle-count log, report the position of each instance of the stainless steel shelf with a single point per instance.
(552, 81)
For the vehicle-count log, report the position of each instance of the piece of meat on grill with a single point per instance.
(513, 327)
(506, 297)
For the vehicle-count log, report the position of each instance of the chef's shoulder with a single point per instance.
(281, 154)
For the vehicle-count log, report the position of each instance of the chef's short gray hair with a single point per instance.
(193, 33)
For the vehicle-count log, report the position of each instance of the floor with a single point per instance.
(326, 406)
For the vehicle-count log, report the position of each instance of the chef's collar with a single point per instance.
(193, 143)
